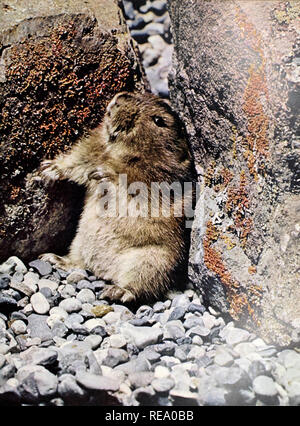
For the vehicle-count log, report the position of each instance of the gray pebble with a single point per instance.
(39, 356)
(223, 357)
(159, 307)
(236, 335)
(193, 321)
(38, 327)
(39, 379)
(264, 385)
(71, 305)
(86, 296)
(177, 313)
(180, 300)
(163, 385)
(70, 390)
(174, 330)
(114, 357)
(97, 382)
(18, 327)
(59, 329)
(43, 268)
(141, 379)
(141, 336)
(4, 281)
(39, 303)
(53, 285)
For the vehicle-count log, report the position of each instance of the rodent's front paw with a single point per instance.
(115, 293)
(50, 171)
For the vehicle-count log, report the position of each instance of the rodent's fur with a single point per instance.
(141, 137)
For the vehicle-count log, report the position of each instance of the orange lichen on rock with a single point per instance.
(218, 180)
(252, 270)
(238, 298)
(256, 94)
(237, 206)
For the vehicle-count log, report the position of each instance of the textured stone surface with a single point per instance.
(235, 84)
(60, 64)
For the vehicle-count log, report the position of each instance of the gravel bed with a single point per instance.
(60, 344)
(150, 26)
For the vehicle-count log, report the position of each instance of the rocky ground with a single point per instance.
(60, 344)
(149, 24)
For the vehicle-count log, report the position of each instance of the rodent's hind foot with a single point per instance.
(115, 293)
(58, 261)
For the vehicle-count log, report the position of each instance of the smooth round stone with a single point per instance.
(18, 327)
(177, 313)
(163, 385)
(117, 341)
(141, 336)
(236, 335)
(96, 382)
(100, 310)
(59, 329)
(159, 307)
(39, 303)
(67, 290)
(42, 267)
(48, 284)
(71, 305)
(161, 372)
(174, 330)
(245, 348)
(112, 317)
(59, 312)
(223, 357)
(86, 296)
(141, 379)
(93, 323)
(264, 385)
(94, 340)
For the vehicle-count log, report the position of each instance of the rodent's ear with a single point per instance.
(118, 99)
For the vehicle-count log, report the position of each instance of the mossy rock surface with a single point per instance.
(60, 65)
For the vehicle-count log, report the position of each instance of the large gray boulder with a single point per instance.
(235, 83)
(60, 64)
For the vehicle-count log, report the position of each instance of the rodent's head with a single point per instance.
(144, 122)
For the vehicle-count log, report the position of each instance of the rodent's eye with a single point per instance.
(159, 121)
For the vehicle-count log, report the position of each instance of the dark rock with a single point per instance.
(38, 327)
(9, 395)
(4, 281)
(178, 313)
(63, 92)
(43, 268)
(7, 303)
(194, 307)
(19, 316)
(236, 124)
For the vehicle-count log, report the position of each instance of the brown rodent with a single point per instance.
(140, 137)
